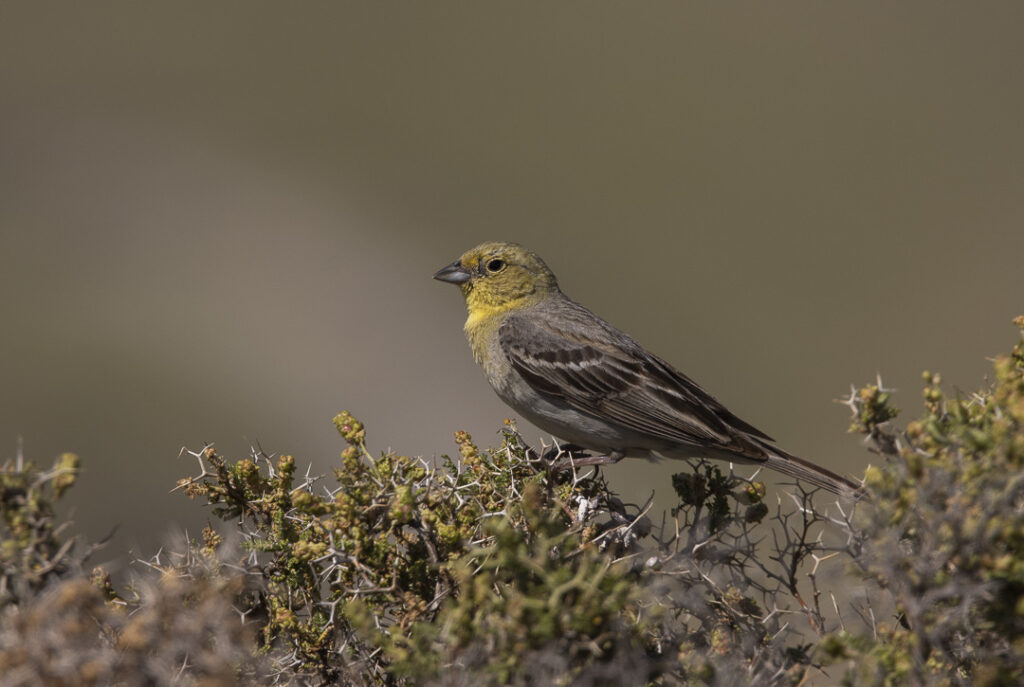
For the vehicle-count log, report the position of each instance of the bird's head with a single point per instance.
(499, 276)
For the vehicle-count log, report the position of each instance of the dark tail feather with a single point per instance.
(788, 464)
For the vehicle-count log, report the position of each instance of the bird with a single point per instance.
(573, 375)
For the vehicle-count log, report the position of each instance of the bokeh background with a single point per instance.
(218, 221)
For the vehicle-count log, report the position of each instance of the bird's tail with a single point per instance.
(788, 464)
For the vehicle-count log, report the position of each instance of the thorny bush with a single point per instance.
(508, 566)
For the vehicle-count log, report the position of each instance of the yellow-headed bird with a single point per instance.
(574, 375)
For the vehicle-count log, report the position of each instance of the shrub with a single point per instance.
(505, 566)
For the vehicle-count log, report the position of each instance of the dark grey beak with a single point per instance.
(453, 274)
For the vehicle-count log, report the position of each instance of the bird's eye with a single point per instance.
(496, 265)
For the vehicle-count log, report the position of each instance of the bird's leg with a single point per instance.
(570, 462)
(553, 453)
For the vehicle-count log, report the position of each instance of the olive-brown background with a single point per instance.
(218, 221)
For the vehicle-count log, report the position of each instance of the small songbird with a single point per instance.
(574, 375)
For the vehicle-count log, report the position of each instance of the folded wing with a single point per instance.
(576, 357)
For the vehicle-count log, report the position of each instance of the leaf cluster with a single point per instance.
(945, 534)
(509, 566)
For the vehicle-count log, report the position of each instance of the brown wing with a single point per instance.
(568, 353)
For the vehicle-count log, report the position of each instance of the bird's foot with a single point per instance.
(569, 462)
(551, 454)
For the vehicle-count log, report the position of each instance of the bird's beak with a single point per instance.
(453, 274)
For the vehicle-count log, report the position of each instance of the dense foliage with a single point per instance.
(509, 566)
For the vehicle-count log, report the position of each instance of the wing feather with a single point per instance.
(568, 353)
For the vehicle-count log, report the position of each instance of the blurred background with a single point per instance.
(218, 222)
